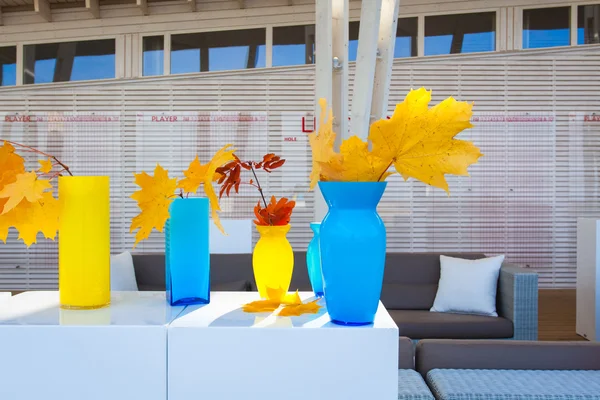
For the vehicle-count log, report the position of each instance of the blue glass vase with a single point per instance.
(187, 252)
(353, 241)
(313, 261)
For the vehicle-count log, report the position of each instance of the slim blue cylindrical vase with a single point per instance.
(353, 241)
(313, 261)
(187, 252)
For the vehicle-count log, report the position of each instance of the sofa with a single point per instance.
(409, 289)
(500, 369)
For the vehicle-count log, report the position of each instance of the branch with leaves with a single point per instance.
(158, 192)
(274, 213)
(26, 203)
(418, 141)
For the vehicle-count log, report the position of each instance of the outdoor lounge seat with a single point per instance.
(505, 369)
(409, 289)
(424, 324)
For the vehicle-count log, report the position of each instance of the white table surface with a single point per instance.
(217, 351)
(117, 353)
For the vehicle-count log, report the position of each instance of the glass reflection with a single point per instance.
(293, 45)
(460, 33)
(8, 66)
(546, 27)
(153, 50)
(588, 24)
(218, 51)
(69, 61)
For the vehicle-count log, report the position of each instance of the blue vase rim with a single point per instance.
(203, 199)
(331, 183)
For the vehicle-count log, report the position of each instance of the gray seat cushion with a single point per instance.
(456, 384)
(411, 386)
(421, 324)
(411, 279)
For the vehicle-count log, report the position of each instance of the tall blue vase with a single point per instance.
(353, 241)
(313, 260)
(187, 252)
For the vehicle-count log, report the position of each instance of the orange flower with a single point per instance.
(277, 213)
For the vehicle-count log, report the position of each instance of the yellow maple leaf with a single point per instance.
(420, 140)
(11, 165)
(26, 186)
(296, 310)
(29, 218)
(154, 199)
(198, 174)
(321, 143)
(45, 165)
(355, 163)
(261, 306)
(280, 295)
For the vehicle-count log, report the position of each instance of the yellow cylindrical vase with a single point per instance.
(273, 259)
(84, 242)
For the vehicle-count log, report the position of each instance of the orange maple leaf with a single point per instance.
(296, 310)
(261, 306)
(198, 174)
(45, 165)
(277, 213)
(26, 186)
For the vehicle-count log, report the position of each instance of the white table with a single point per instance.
(115, 353)
(218, 352)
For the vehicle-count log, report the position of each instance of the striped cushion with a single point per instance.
(454, 384)
(411, 386)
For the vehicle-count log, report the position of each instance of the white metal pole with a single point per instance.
(366, 58)
(383, 69)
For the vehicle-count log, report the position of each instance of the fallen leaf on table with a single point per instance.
(291, 298)
(296, 310)
(261, 306)
(45, 165)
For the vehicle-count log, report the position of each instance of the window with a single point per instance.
(8, 66)
(460, 33)
(154, 53)
(546, 27)
(69, 61)
(588, 24)
(406, 38)
(218, 51)
(293, 45)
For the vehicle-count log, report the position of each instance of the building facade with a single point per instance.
(113, 88)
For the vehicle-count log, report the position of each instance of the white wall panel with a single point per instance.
(523, 198)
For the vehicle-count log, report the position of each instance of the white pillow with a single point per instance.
(468, 286)
(122, 274)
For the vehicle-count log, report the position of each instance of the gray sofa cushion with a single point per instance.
(506, 354)
(411, 279)
(457, 384)
(411, 386)
(406, 353)
(421, 324)
(228, 271)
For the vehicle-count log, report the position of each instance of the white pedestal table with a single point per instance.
(113, 353)
(217, 351)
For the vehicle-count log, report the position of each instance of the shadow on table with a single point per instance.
(236, 318)
(239, 318)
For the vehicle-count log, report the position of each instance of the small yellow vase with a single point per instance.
(273, 259)
(84, 242)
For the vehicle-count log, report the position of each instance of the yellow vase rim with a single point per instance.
(266, 229)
